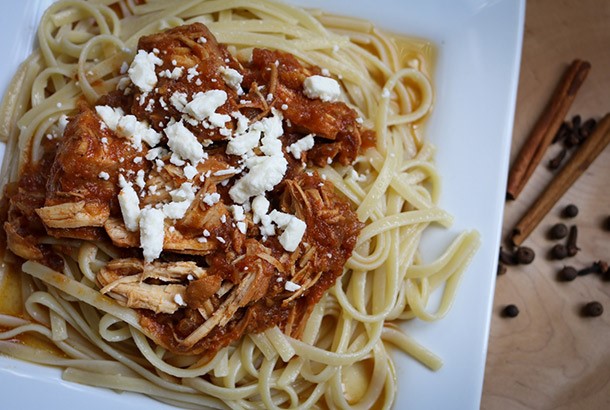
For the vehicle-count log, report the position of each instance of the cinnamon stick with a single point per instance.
(546, 127)
(576, 166)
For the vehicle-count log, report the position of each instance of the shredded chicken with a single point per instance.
(239, 278)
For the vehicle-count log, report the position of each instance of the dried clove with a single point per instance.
(558, 231)
(525, 255)
(556, 161)
(571, 247)
(507, 258)
(559, 251)
(510, 311)
(568, 273)
(562, 132)
(570, 211)
(593, 309)
(586, 129)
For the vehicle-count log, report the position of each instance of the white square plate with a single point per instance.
(479, 49)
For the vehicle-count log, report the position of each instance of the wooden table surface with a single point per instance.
(550, 357)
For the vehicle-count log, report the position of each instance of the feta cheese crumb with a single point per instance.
(204, 104)
(324, 88)
(130, 204)
(211, 199)
(293, 227)
(104, 175)
(178, 299)
(184, 143)
(152, 233)
(221, 239)
(232, 78)
(142, 70)
(190, 172)
(291, 286)
(181, 201)
(300, 146)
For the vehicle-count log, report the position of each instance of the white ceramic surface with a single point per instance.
(476, 77)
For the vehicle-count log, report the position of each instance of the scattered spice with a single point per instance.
(599, 267)
(507, 258)
(568, 273)
(510, 311)
(563, 180)
(593, 309)
(558, 231)
(562, 133)
(559, 251)
(571, 247)
(557, 159)
(525, 255)
(570, 211)
(546, 127)
(587, 128)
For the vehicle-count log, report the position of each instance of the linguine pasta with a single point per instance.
(343, 358)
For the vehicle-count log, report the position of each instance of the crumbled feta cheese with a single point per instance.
(219, 120)
(204, 104)
(325, 72)
(181, 201)
(284, 107)
(178, 299)
(232, 78)
(184, 143)
(211, 199)
(128, 126)
(304, 144)
(124, 67)
(189, 172)
(260, 207)
(152, 233)
(130, 204)
(155, 153)
(242, 143)
(221, 239)
(324, 88)
(291, 286)
(179, 100)
(206, 233)
(104, 140)
(174, 74)
(238, 212)
(104, 175)
(140, 179)
(293, 227)
(142, 70)
(265, 172)
(192, 73)
(242, 227)
(242, 122)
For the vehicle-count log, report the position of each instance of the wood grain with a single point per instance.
(549, 357)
